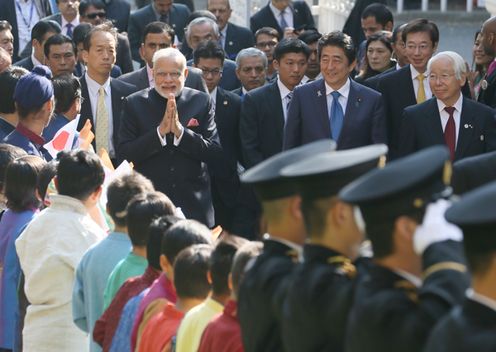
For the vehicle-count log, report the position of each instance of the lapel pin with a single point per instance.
(482, 137)
(319, 94)
(231, 43)
(225, 102)
(483, 84)
(468, 126)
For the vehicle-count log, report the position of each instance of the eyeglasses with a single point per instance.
(94, 15)
(262, 45)
(164, 75)
(215, 72)
(421, 47)
(445, 77)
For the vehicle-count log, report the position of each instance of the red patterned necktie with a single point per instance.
(450, 132)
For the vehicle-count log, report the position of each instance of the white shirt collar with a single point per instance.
(416, 281)
(397, 66)
(94, 86)
(276, 11)
(224, 32)
(282, 89)
(415, 73)
(35, 60)
(213, 95)
(484, 300)
(344, 90)
(74, 22)
(243, 90)
(457, 105)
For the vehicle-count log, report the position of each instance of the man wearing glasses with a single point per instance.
(266, 39)
(169, 133)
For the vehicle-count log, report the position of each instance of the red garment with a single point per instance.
(160, 330)
(223, 333)
(161, 288)
(33, 137)
(105, 327)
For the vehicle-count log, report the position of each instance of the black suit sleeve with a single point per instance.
(124, 59)
(490, 132)
(406, 136)
(248, 130)
(379, 123)
(134, 35)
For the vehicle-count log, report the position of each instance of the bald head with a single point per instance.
(5, 59)
(488, 34)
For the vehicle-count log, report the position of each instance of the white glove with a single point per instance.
(435, 228)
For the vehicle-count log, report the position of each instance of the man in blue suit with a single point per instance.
(335, 106)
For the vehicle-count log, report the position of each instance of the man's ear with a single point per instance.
(275, 63)
(142, 51)
(209, 277)
(85, 56)
(186, 72)
(389, 26)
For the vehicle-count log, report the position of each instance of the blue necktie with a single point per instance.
(336, 116)
(283, 22)
(69, 30)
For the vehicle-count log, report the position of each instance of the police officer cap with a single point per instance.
(323, 175)
(266, 177)
(34, 89)
(475, 214)
(404, 186)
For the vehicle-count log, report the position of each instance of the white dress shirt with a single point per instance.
(25, 21)
(288, 15)
(427, 87)
(222, 37)
(456, 115)
(35, 60)
(343, 98)
(74, 22)
(284, 98)
(93, 88)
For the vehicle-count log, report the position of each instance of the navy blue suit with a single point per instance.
(473, 172)
(56, 123)
(118, 11)
(308, 117)
(229, 80)
(26, 63)
(237, 39)
(5, 129)
(265, 18)
(421, 128)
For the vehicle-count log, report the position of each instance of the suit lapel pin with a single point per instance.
(482, 137)
(231, 43)
(483, 84)
(319, 94)
(225, 102)
(468, 126)
(358, 101)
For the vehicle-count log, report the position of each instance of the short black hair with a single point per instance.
(190, 272)
(107, 27)
(310, 36)
(287, 46)
(97, 4)
(156, 233)
(8, 153)
(66, 89)
(8, 82)
(120, 192)
(20, 182)
(398, 30)
(142, 210)
(380, 12)
(5, 26)
(421, 25)
(57, 39)
(210, 49)
(79, 174)
(340, 40)
(43, 27)
(247, 252)
(272, 32)
(47, 173)
(315, 214)
(183, 234)
(221, 262)
(158, 27)
(80, 32)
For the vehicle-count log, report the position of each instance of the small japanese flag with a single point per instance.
(63, 139)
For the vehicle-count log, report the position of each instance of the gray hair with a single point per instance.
(202, 20)
(169, 53)
(251, 52)
(459, 65)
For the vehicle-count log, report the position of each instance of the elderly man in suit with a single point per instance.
(175, 15)
(264, 110)
(233, 38)
(102, 94)
(466, 127)
(282, 15)
(158, 35)
(335, 106)
(251, 68)
(169, 133)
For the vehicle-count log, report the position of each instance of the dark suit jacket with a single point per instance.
(261, 124)
(139, 19)
(265, 18)
(229, 81)
(421, 128)
(8, 13)
(488, 96)
(26, 63)
(473, 172)
(467, 328)
(237, 39)
(373, 82)
(139, 79)
(308, 117)
(178, 171)
(118, 11)
(120, 90)
(391, 314)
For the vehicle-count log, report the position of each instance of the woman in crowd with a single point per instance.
(22, 205)
(378, 56)
(480, 64)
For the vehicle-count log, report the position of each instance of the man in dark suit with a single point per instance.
(95, 13)
(266, 39)
(41, 32)
(41, 9)
(102, 94)
(393, 309)
(264, 285)
(175, 15)
(158, 35)
(282, 14)
(466, 127)
(67, 17)
(233, 38)
(264, 110)
(169, 133)
(6, 38)
(473, 172)
(335, 106)
(471, 326)
(209, 57)
(202, 29)
(251, 68)
(487, 94)
(408, 85)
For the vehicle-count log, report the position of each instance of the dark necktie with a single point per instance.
(288, 101)
(165, 18)
(336, 116)
(69, 29)
(450, 132)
